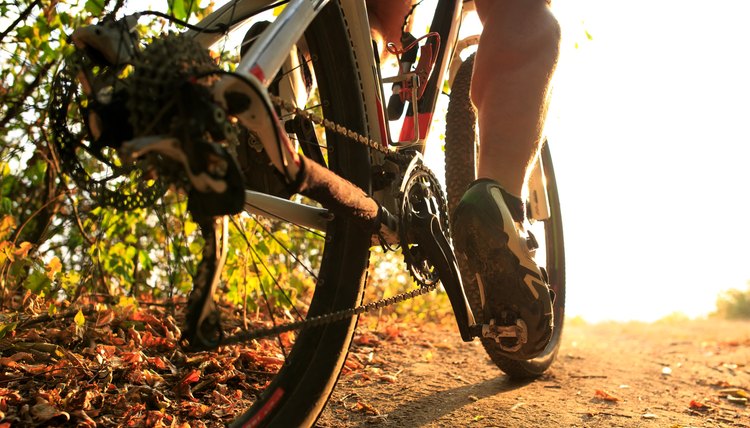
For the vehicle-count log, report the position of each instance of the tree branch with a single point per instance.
(16, 107)
(20, 18)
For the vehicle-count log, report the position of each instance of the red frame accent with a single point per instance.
(266, 409)
(381, 120)
(258, 72)
(407, 129)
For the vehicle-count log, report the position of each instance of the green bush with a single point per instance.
(734, 304)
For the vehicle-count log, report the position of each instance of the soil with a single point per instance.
(677, 373)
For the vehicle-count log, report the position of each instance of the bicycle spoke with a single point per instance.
(288, 115)
(268, 304)
(294, 256)
(265, 266)
(294, 138)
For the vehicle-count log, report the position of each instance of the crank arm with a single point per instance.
(431, 239)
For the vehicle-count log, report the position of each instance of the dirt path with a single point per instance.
(667, 374)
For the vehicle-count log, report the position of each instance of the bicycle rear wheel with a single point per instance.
(299, 391)
(461, 148)
(283, 271)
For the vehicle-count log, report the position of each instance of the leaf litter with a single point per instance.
(121, 365)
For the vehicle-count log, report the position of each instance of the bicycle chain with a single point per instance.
(327, 318)
(330, 125)
(345, 313)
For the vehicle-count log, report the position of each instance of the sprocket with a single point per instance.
(160, 73)
(421, 185)
(89, 126)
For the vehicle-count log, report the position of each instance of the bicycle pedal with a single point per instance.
(510, 337)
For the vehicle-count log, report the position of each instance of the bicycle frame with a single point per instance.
(258, 68)
(408, 200)
(267, 56)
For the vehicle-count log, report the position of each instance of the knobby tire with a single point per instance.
(299, 392)
(461, 150)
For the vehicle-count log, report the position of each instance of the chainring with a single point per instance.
(421, 183)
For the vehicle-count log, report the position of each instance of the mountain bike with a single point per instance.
(297, 135)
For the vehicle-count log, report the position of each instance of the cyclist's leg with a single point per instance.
(513, 65)
(517, 53)
(386, 21)
(461, 145)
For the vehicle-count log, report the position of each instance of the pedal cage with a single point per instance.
(498, 333)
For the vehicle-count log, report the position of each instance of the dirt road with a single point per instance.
(667, 374)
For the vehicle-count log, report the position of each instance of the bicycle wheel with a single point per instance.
(461, 148)
(288, 272)
(299, 391)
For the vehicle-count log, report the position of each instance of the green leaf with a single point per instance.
(37, 282)
(127, 302)
(7, 328)
(25, 32)
(190, 227)
(178, 9)
(95, 7)
(79, 319)
(6, 206)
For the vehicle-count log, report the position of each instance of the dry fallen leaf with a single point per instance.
(377, 419)
(737, 400)
(737, 392)
(606, 396)
(366, 339)
(361, 406)
(352, 364)
(195, 410)
(388, 378)
(43, 412)
(697, 405)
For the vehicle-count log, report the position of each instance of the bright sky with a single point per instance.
(648, 132)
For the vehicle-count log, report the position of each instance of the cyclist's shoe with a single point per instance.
(496, 254)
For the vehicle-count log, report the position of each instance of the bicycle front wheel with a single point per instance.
(461, 148)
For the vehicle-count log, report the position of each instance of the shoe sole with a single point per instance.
(493, 262)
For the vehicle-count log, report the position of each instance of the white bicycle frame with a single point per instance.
(269, 53)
